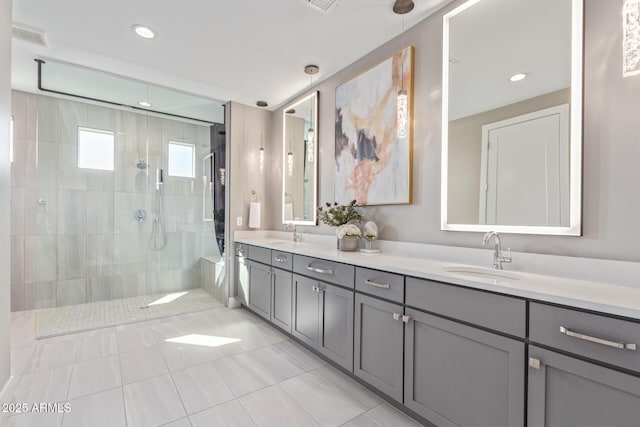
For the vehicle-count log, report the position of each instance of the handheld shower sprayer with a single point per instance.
(159, 178)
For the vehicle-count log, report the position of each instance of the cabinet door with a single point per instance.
(260, 289)
(242, 280)
(565, 391)
(306, 310)
(457, 375)
(336, 326)
(378, 345)
(281, 299)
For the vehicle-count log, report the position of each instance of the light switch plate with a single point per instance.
(239, 220)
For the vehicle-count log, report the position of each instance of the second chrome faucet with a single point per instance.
(296, 234)
(498, 256)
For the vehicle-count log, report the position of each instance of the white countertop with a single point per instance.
(610, 298)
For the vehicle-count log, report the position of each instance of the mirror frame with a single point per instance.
(575, 176)
(314, 95)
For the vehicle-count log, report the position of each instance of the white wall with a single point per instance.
(5, 185)
(611, 210)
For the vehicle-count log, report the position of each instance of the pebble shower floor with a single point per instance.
(56, 321)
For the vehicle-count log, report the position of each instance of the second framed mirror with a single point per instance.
(300, 157)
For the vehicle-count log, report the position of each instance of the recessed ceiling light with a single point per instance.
(144, 31)
(144, 104)
(518, 77)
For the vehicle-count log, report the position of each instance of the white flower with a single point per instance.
(348, 230)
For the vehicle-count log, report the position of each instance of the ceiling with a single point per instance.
(238, 50)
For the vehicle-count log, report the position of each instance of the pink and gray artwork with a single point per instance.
(373, 165)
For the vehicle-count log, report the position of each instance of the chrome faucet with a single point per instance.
(498, 256)
(296, 236)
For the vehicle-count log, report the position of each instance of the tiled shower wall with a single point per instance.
(83, 244)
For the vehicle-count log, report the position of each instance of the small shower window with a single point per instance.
(182, 159)
(95, 149)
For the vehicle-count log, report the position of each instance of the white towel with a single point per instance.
(288, 211)
(254, 215)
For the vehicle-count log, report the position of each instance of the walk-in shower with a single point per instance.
(116, 234)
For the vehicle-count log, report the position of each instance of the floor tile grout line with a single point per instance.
(124, 403)
(255, 423)
(302, 407)
(166, 364)
(173, 381)
(359, 415)
(69, 387)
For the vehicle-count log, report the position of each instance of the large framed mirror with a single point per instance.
(512, 117)
(300, 157)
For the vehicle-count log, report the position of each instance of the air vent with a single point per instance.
(29, 34)
(323, 5)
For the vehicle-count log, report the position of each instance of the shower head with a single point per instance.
(142, 164)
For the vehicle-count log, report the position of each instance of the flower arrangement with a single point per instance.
(348, 230)
(344, 217)
(336, 215)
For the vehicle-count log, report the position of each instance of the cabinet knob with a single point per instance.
(397, 316)
(534, 363)
(406, 318)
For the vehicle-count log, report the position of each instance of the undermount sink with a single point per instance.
(482, 273)
(277, 242)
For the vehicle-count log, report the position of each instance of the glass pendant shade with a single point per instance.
(311, 141)
(261, 160)
(290, 163)
(403, 119)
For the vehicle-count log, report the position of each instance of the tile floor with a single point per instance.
(213, 368)
(56, 321)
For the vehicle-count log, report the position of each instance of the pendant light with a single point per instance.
(402, 108)
(290, 160)
(311, 134)
(261, 155)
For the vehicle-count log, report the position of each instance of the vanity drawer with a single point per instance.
(326, 271)
(492, 311)
(263, 255)
(384, 285)
(242, 249)
(602, 338)
(283, 260)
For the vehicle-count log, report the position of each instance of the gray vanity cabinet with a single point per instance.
(281, 293)
(457, 375)
(259, 298)
(336, 324)
(565, 391)
(579, 391)
(323, 318)
(378, 344)
(306, 310)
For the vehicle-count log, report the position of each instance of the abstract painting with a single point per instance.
(373, 165)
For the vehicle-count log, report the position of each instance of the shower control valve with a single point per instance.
(140, 215)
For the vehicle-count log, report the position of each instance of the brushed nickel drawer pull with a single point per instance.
(377, 285)
(281, 258)
(608, 343)
(319, 270)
